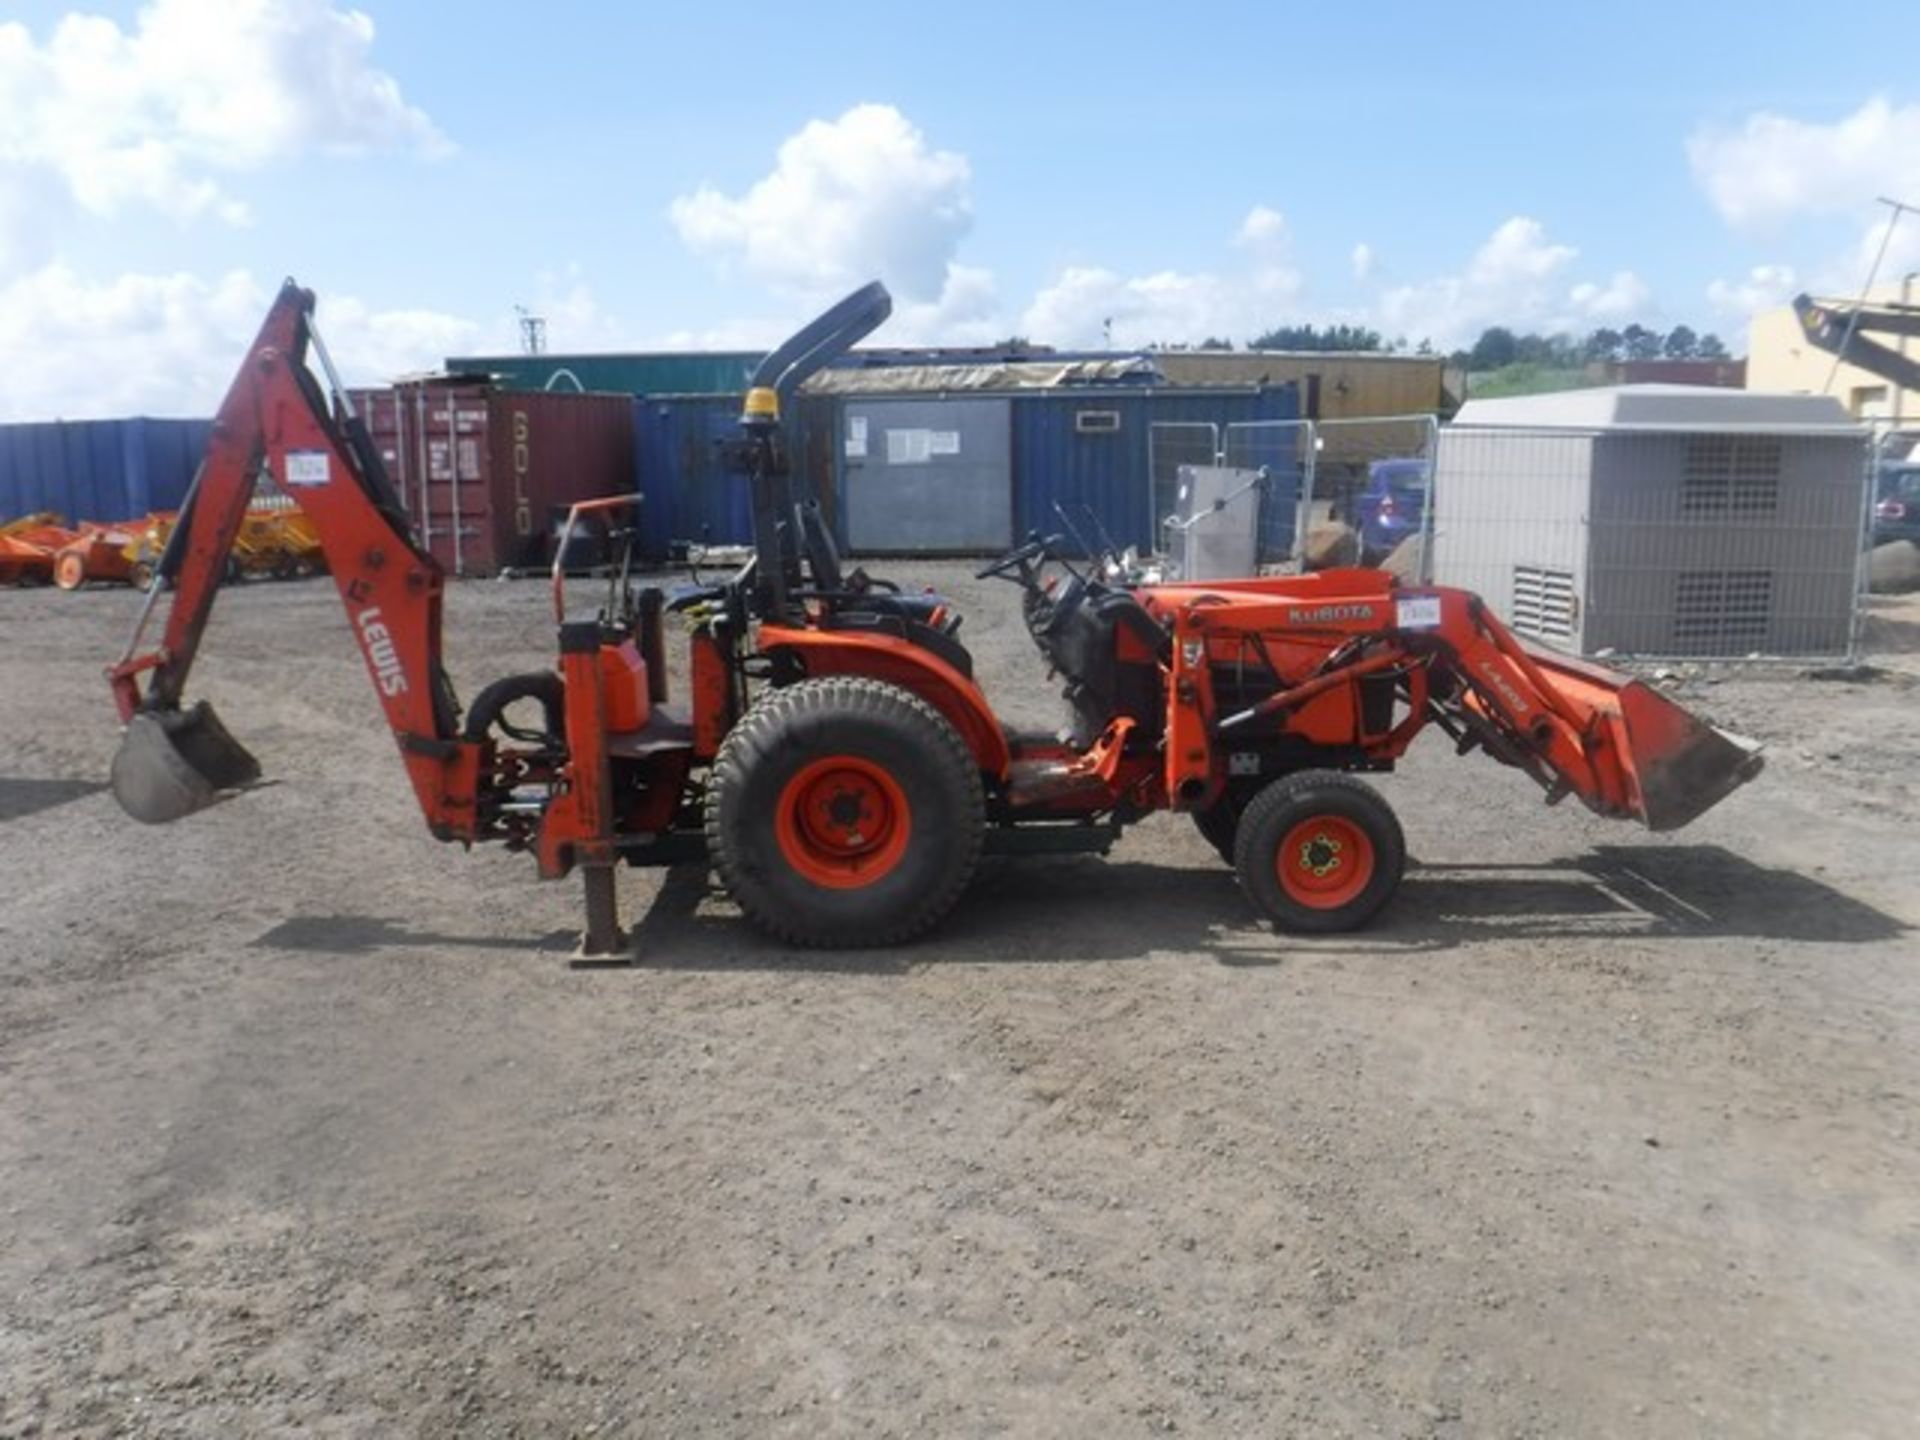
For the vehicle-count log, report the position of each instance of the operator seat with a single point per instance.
(852, 601)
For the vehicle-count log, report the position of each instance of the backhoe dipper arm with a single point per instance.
(275, 416)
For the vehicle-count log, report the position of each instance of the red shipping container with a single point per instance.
(484, 473)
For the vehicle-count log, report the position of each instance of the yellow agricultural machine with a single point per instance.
(276, 542)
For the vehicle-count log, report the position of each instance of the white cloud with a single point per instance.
(1516, 278)
(967, 312)
(1621, 298)
(170, 344)
(1763, 288)
(1363, 262)
(372, 346)
(198, 88)
(847, 199)
(1168, 306)
(1263, 227)
(1775, 167)
(1265, 237)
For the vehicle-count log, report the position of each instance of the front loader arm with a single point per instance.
(1578, 729)
(276, 418)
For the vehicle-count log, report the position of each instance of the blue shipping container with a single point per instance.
(98, 469)
(1089, 451)
(689, 490)
(1092, 451)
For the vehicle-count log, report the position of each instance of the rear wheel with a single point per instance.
(1319, 852)
(844, 812)
(141, 575)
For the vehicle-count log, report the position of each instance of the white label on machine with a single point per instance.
(1417, 612)
(308, 467)
(909, 447)
(943, 442)
(856, 437)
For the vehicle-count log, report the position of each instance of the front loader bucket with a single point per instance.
(173, 762)
(1683, 766)
(1676, 767)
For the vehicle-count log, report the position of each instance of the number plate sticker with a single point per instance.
(1417, 612)
(308, 467)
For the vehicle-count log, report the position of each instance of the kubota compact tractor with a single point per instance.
(836, 762)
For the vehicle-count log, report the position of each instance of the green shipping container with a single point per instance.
(665, 373)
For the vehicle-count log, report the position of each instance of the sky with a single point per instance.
(706, 177)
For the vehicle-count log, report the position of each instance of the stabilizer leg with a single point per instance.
(603, 938)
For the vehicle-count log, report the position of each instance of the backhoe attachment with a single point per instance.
(175, 757)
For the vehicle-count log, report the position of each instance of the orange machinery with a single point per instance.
(836, 761)
(28, 546)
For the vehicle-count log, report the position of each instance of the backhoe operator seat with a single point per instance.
(850, 602)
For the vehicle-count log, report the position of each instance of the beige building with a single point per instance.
(1781, 358)
(1344, 384)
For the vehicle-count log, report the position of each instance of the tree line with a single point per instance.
(1499, 346)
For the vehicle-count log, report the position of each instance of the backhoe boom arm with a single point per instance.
(276, 418)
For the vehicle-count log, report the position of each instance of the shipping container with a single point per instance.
(1091, 454)
(691, 488)
(927, 474)
(665, 373)
(99, 469)
(486, 474)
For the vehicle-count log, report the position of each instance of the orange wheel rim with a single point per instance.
(843, 822)
(1325, 861)
(69, 570)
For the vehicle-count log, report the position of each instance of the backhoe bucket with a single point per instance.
(1683, 766)
(173, 762)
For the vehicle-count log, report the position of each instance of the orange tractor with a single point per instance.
(836, 762)
(28, 546)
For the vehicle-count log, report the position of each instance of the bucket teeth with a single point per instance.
(172, 763)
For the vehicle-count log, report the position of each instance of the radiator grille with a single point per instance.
(1722, 612)
(1543, 602)
(1729, 476)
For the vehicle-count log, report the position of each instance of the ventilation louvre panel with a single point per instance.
(1543, 602)
(1722, 612)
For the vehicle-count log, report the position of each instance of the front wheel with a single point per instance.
(1319, 852)
(844, 812)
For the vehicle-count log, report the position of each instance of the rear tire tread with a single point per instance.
(755, 739)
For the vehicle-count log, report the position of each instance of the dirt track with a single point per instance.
(309, 1127)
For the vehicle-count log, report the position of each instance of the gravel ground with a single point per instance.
(309, 1128)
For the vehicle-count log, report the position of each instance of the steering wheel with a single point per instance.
(1019, 559)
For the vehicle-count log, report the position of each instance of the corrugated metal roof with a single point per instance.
(1000, 376)
(1662, 407)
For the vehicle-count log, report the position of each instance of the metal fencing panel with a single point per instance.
(1172, 445)
(1655, 543)
(1282, 453)
(1374, 474)
(1890, 516)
